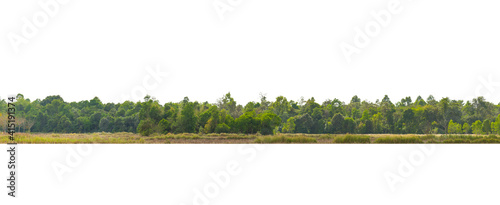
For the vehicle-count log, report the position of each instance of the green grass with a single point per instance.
(361, 139)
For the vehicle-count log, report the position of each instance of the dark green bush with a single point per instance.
(222, 128)
(486, 140)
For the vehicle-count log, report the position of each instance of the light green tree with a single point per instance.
(466, 128)
(454, 128)
(477, 127)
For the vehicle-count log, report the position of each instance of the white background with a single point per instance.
(279, 47)
(279, 174)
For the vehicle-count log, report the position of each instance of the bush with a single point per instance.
(464, 137)
(486, 141)
(492, 136)
(222, 128)
(472, 139)
(145, 127)
(398, 140)
(352, 139)
(164, 126)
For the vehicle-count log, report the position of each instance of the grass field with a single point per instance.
(187, 138)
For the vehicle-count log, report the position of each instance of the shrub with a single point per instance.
(164, 126)
(456, 141)
(352, 139)
(222, 128)
(485, 141)
(465, 137)
(145, 127)
(398, 140)
(492, 136)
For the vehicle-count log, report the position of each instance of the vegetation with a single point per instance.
(150, 118)
(232, 138)
(285, 139)
(360, 139)
(399, 140)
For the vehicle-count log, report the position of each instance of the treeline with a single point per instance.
(428, 116)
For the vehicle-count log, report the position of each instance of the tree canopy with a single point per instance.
(147, 117)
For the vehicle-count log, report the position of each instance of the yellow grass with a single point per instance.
(189, 138)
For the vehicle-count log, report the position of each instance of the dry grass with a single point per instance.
(223, 138)
(282, 139)
(352, 139)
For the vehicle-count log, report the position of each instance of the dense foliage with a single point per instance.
(53, 114)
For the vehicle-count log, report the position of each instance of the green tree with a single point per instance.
(349, 125)
(454, 128)
(222, 128)
(269, 121)
(188, 119)
(355, 99)
(289, 126)
(486, 126)
(466, 128)
(146, 127)
(64, 125)
(228, 103)
(477, 127)
(496, 125)
(104, 125)
(247, 123)
(164, 126)
(338, 123)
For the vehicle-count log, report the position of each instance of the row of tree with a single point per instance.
(53, 114)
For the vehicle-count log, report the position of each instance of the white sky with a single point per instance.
(279, 47)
